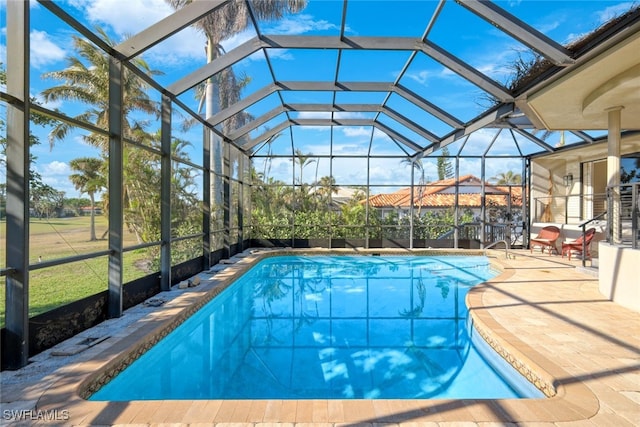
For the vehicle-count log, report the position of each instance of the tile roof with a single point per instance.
(441, 194)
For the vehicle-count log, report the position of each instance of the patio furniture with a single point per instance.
(576, 245)
(546, 239)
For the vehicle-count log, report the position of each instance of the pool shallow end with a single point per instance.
(572, 401)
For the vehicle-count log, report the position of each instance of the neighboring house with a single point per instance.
(441, 195)
(86, 210)
(343, 195)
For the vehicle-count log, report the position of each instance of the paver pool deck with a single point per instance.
(542, 314)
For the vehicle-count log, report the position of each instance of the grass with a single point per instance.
(63, 237)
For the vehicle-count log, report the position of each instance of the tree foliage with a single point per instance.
(44, 200)
(281, 211)
(90, 178)
(507, 178)
(445, 168)
(86, 79)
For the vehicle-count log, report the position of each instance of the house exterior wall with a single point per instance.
(618, 275)
(552, 202)
(617, 266)
(547, 190)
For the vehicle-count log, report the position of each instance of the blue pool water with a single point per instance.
(328, 327)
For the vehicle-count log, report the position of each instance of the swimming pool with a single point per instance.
(329, 327)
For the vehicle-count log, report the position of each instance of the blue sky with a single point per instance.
(456, 30)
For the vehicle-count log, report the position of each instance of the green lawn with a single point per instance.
(58, 238)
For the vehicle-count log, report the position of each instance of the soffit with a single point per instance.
(581, 98)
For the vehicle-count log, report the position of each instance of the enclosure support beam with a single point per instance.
(525, 189)
(240, 197)
(16, 350)
(456, 214)
(115, 188)
(483, 203)
(613, 172)
(226, 197)
(412, 204)
(206, 198)
(167, 27)
(165, 195)
(367, 205)
(520, 30)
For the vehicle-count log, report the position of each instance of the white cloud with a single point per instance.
(424, 77)
(380, 175)
(314, 115)
(300, 24)
(52, 105)
(421, 77)
(573, 36)
(550, 25)
(351, 131)
(187, 44)
(495, 62)
(613, 11)
(377, 133)
(56, 174)
(327, 115)
(56, 168)
(237, 39)
(43, 50)
(602, 17)
(495, 70)
(138, 15)
(124, 17)
(282, 54)
(350, 148)
(349, 115)
(244, 36)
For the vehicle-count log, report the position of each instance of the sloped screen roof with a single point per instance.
(410, 76)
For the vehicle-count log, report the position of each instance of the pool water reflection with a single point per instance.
(326, 327)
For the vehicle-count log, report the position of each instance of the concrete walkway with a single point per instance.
(541, 314)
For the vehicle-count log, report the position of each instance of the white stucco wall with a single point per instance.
(546, 178)
(618, 275)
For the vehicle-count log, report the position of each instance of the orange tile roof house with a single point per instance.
(442, 195)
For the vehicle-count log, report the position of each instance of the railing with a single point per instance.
(623, 203)
(568, 209)
(507, 246)
(583, 226)
(493, 232)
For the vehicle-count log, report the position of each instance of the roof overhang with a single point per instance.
(582, 97)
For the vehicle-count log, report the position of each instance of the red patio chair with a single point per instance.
(576, 245)
(546, 239)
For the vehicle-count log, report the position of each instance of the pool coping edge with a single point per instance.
(577, 401)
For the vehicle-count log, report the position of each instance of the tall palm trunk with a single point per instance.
(93, 218)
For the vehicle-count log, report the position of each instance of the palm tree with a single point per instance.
(419, 167)
(327, 187)
(223, 23)
(86, 79)
(233, 18)
(303, 160)
(89, 179)
(507, 178)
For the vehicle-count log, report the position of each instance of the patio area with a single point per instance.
(542, 314)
